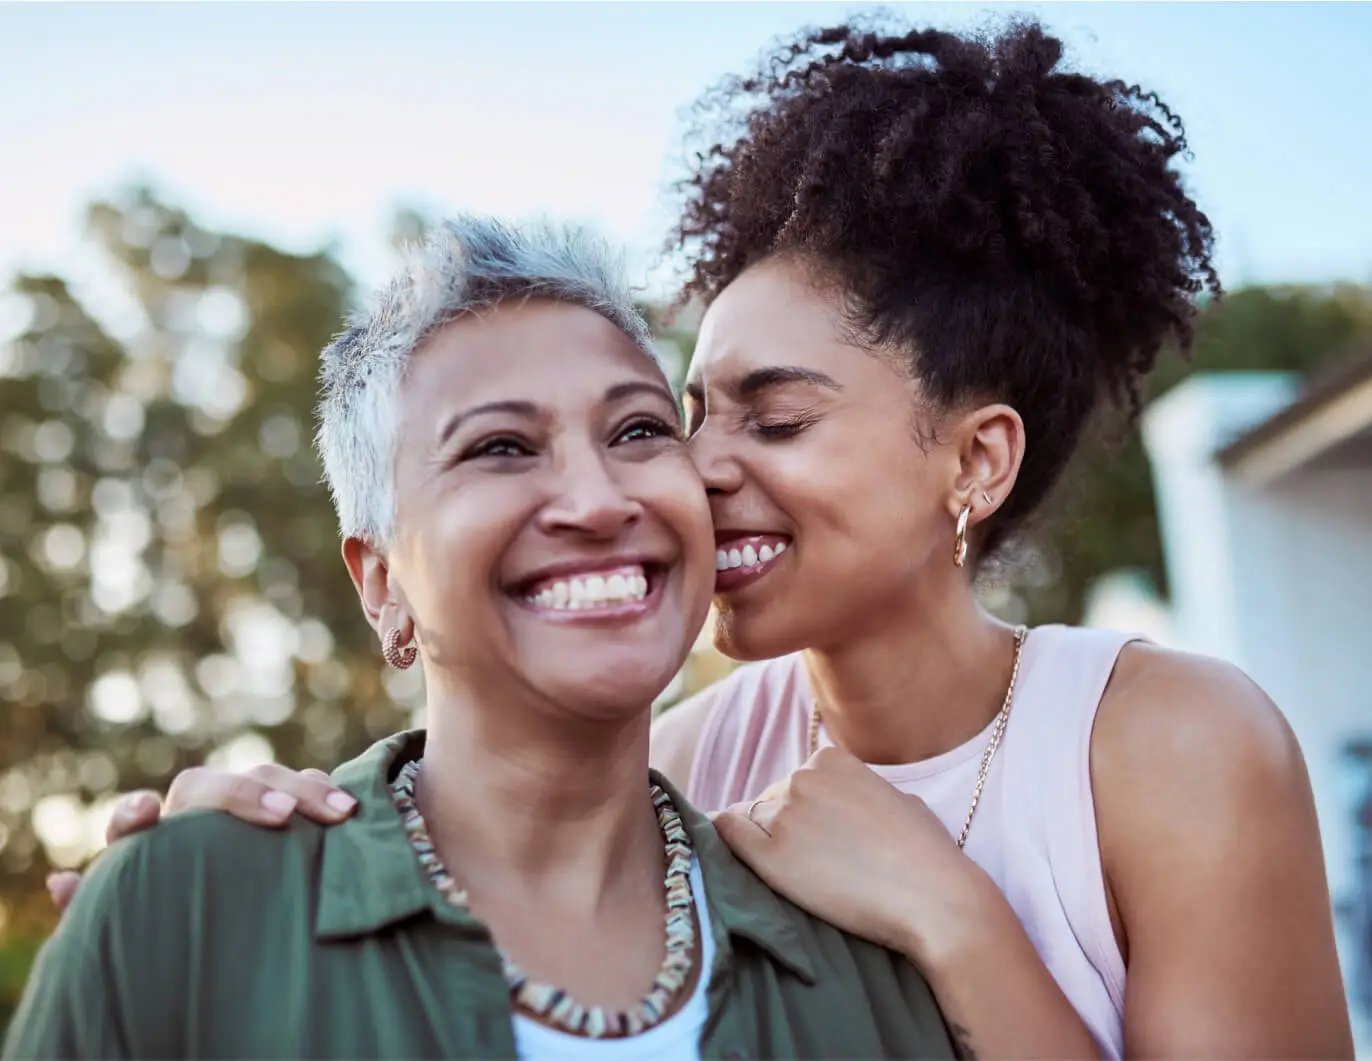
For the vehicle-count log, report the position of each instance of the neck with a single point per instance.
(918, 681)
(516, 802)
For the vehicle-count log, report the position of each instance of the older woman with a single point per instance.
(926, 260)
(520, 513)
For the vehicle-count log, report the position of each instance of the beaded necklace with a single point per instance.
(551, 1003)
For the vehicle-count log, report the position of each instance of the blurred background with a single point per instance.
(190, 197)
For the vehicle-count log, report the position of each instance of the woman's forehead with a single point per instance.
(553, 350)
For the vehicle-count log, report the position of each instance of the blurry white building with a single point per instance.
(1264, 492)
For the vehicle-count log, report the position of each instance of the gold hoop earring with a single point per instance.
(960, 538)
(398, 656)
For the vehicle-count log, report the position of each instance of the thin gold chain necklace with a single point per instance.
(997, 732)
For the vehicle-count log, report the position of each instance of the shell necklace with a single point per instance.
(997, 732)
(551, 1003)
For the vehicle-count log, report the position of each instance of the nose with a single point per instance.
(719, 469)
(589, 500)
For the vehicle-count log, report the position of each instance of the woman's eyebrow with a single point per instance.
(761, 379)
(525, 409)
(621, 391)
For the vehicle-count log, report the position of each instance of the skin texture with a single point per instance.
(1208, 835)
(537, 435)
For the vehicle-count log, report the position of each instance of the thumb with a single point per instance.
(746, 835)
(133, 814)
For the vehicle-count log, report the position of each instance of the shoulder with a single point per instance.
(206, 865)
(1190, 757)
(153, 914)
(1191, 720)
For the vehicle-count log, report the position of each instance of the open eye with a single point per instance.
(498, 446)
(645, 427)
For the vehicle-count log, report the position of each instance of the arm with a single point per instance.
(1212, 852)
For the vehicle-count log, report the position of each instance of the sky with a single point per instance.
(309, 123)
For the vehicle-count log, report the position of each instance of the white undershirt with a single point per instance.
(675, 1039)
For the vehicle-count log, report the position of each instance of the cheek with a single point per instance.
(862, 502)
(673, 491)
(462, 536)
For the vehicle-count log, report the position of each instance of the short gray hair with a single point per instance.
(465, 264)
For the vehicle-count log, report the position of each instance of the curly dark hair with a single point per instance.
(1018, 230)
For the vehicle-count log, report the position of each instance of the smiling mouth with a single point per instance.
(743, 559)
(623, 590)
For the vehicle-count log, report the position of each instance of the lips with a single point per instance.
(741, 559)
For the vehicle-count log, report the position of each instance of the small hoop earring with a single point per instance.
(393, 653)
(960, 538)
(987, 498)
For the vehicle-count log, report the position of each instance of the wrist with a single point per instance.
(975, 918)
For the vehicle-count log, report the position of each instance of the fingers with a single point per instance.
(266, 795)
(62, 887)
(133, 813)
(746, 826)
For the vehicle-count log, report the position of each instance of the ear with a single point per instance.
(372, 579)
(990, 448)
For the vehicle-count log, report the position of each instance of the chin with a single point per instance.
(747, 639)
(609, 690)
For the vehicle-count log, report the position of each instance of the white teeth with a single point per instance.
(592, 591)
(747, 556)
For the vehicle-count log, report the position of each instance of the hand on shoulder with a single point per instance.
(267, 796)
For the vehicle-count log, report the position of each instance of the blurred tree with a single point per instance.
(168, 554)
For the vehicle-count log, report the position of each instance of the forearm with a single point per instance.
(997, 996)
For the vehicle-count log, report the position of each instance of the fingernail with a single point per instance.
(278, 803)
(51, 884)
(138, 802)
(341, 802)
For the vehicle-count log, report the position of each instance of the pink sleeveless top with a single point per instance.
(1035, 828)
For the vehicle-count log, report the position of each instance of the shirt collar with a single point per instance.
(370, 878)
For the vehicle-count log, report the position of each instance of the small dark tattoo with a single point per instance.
(962, 1042)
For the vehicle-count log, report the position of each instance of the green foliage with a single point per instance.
(170, 561)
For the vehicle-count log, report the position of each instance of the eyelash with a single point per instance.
(659, 428)
(777, 432)
(488, 447)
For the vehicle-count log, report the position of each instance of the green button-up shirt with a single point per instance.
(211, 938)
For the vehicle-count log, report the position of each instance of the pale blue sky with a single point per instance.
(310, 121)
